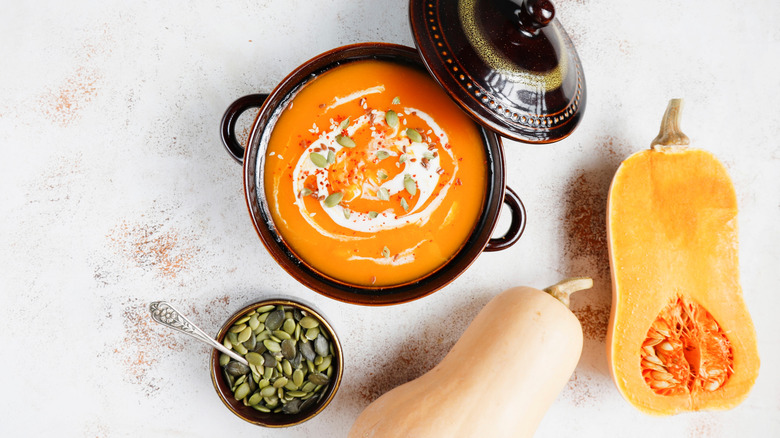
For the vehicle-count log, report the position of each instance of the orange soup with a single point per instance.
(373, 175)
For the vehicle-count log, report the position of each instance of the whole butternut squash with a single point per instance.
(680, 337)
(526, 343)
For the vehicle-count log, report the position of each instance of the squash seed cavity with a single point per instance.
(685, 351)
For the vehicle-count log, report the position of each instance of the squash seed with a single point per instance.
(224, 359)
(396, 100)
(318, 160)
(289, 326)
(243, 319)
(391, 117)
(287, 368)
(266, 308)
(346, 212)
(275, 319)
(307, 351)
(333, 199)
(414, 135)
(318, 379)
(410, 185)
(373, 214)
(325, 363)
(282, 335)
(381, 174)
(297, 377)
(383, 194)
(255, 399)
(254, 359)
(312, 333)
(309, 322)
(321, 345)
(404, 204)
(261, 408)
(344, 123)
(288, 349)
(280, 382)
(240, 349)
(402, 158)
(345, 141)
(245, 334)
(381, 155)
(268, 391)
(242, 391)
(238, 328)
(386, 252)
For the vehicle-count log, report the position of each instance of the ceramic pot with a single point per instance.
(252, 157)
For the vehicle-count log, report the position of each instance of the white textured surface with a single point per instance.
(116, 191)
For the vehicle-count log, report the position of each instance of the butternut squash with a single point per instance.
(527, 343)
(680, 337)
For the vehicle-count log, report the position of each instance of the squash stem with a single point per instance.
(670, 133)
(561, 291)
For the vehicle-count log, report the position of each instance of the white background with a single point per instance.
(115, 191)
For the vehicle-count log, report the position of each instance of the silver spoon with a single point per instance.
(166, 315)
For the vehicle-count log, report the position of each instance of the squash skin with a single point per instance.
(672, 231)
(529, 344)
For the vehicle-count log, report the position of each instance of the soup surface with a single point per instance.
(373, 175)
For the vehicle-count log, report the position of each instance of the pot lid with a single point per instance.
(509, 63)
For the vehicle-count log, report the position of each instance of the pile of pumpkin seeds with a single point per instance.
(290, 359)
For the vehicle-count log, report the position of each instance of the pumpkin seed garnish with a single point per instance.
(306, 192)
(396, 100)
(428, 155)
(381, 174)
(347, 213)
(391, 117)
(402, 159)
(381, 155)
(344, 123)
(308, 322)
(404, 204)
(414, 135)
(318, 160)
(346, 141)
(333, 199)
(410, 185)
(331, 157)
(386, 252)
(373, 214)
(383, 194)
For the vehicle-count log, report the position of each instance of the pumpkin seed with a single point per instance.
(269, 360)
(312, 333)
(318, 379)
(414, 135)
(318, 361)
(345, 141)
(253, 322)
(296, 361)
(250, 343)
(289, 326)
(308, 386)
(383, 194)
(266, 308)
(280, 382)
(321, 345)
(391, 117)
(245, 334)
(325, 363)
(305, 192)
(288, 349)
(255, 399)
(333, 199)
(307, 351)
(307, 403)
(318, 160)
(287, 367)
(309, 322)
(242, 391)
(404, 204)
(296, 393)
(346, 212)
(396, 100)
(254, 359)
(226, 342)
(373, 214)
(224, 359)
(428, 155)
(282, 335)
(291, 386)
(238, 328)
(243, 319)
(275, 338)
(236, 369)
(344, 123)
(263, 383)
(275, 319)
(381, 155)
(331, 157)
(268, 391)
(381, 174)
(402, 158)
(297, 377)
(409, 185)
(272, 346)
(262, 336)
(240, 349)
(293, 407)
(268, 373)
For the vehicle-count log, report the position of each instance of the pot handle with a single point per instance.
(517, 226)
(228, 125)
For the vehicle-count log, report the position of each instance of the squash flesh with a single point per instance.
(672, 234)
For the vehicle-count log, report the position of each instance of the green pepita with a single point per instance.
(391, 117)
(333, 199)
(309, 322)
(318, 160)
(383, 194)
(404, 204)
(344, 123)
(396, 100)
(373, 214)
(381, 174)
(414, 135)
(345, 141)
(245, 334)
(386, 252)
(242, 391)
(381, 155)
(410, 185)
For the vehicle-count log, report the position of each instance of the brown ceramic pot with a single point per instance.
(253, 157)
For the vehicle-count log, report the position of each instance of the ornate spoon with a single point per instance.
(166, 315)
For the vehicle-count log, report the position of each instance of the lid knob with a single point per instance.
(533, 15)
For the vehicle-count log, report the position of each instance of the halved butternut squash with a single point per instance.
(680, 337)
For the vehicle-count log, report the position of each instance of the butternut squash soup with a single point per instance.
(373, 176)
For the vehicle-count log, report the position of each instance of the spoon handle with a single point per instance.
(166, 315)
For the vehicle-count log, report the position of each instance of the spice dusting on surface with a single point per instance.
(594, 320)
(152, 248)
(63, 105)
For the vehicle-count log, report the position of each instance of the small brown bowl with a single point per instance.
(253, 416)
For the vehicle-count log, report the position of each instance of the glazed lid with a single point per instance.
(508, 63)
